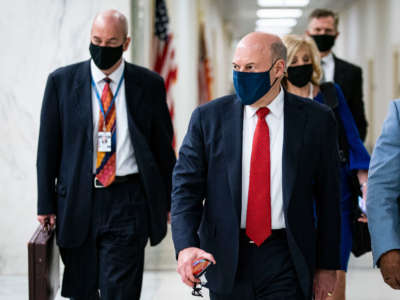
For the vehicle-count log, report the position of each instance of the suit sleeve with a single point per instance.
(162, 135)
(358, 155)
(49, 150)
(328, 195)
(189, 187)
(384, 187)
(356, 105)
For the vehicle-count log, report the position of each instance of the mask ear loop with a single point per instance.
(276, 79)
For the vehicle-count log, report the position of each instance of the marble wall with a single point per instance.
(37, 37)
(40, 36)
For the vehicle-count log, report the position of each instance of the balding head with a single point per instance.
(261, 49)
(110, 29)
(111, 19)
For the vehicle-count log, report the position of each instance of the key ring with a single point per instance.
(197, 287)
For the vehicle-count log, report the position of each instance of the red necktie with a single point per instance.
(258, 220)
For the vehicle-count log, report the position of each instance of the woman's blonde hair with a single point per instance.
(294, 43)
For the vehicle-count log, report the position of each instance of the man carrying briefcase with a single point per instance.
(43, 258)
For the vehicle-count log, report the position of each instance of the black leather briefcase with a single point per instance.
(360, 236)
(361, 239)
(43, 259)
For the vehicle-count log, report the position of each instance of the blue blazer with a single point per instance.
(206, 196)
(383, 194)
(65, 150)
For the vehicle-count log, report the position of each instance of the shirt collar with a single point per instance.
(98, 75)
(328, 59)
(275, 107)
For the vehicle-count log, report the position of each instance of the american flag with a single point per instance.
(164, 61)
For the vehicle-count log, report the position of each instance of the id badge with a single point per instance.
(104, 141)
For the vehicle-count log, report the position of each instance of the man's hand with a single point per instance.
(324, 284)
(43, 219)
(389, 264)
(186, 257)
(363, 219)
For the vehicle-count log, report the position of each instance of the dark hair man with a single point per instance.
(323, 27)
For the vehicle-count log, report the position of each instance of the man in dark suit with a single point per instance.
(323, 27)
(243, 186)
(104, 165)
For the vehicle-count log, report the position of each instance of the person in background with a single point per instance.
(323, 28)
(104, 165)
(243, 186)
(303, 74)
(383, 206)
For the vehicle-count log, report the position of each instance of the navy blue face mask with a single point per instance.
(252, 86)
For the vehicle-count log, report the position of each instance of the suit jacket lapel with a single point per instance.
(133, 93)
(232, 143)
(339, 73)
(294, 124)
(83, 98)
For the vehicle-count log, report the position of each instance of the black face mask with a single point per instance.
(300, 75)
(105, 57)
(324, 42)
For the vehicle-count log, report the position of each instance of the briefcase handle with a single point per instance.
(46, 227)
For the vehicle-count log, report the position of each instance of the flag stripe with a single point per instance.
(164, 62)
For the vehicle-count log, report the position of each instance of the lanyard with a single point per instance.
(112, 101)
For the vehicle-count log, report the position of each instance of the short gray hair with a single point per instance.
(278, 51)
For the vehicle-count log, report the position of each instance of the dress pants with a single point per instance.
(265, 272)
(346, 209)
(109, 265)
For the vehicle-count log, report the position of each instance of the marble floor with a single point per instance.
(364, 283)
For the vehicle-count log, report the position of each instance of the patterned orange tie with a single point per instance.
(106, 161)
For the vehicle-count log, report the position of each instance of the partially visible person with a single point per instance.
(383, 206)
(323, 28)
(104, 165)
(243, 186)
(303, 75)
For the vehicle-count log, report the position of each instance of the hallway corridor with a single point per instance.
(191, 44)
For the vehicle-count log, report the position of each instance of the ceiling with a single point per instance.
(240, 15)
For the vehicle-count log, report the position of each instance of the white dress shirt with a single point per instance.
(328, 66)
(125, 155)
(275, 123)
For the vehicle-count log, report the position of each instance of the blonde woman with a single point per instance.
(303, 75)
